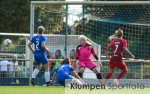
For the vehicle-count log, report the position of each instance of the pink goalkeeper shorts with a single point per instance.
(87, 64)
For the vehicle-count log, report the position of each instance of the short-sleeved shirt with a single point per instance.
(12, 66)
(117, 46)
(83, 53)
(3, 65)
(37, 41)
(64, 71)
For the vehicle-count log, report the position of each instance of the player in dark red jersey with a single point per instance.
(117, 45)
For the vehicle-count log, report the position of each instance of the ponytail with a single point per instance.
(118, 33)
(112, 37)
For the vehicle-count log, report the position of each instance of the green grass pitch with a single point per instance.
(31, 90)
(61, 90)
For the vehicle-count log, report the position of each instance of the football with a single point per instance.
(7, 42)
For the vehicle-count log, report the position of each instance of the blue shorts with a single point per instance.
(40, 59)
(61, 80)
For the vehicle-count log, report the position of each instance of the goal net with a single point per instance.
(96, 20)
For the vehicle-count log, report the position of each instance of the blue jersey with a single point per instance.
(63, 71)
(37, 41)
(39, 53)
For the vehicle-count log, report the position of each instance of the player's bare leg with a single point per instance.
(47, 74)
(81, 71)
(34, 74)
(99, 76)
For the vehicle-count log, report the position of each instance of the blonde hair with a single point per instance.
(86, 40)
(83, 37)
(40, 29)
(118, 33)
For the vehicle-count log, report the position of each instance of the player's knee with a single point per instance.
(81, 70)
(112, 71)
(125, 69)
(39, 67)
(46, 68)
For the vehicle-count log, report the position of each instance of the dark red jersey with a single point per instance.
(117, 46)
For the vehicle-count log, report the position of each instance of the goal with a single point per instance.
(97, 20)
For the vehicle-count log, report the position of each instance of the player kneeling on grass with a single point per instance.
(40, 55)
(64, 72)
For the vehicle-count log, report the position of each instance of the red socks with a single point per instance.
(108, 76)
(122, 74)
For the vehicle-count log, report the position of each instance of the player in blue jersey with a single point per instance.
(39, 52)
(65, 71)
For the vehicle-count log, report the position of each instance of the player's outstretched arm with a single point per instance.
(107, 52)
(96, 57)
(127, 51)
(29, 45)
(93, 53)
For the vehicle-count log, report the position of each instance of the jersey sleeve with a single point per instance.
(44, 40)
(93, 51)
(71, 68)
(110, 44)
(124, 44)
(32, 40)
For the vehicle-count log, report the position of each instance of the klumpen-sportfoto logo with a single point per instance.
(109, 86)
(93, 84)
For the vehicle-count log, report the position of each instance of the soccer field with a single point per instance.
(61, 90)
(31, 90)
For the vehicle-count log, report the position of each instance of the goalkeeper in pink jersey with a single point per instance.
(83, 54)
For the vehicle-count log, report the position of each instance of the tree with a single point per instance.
(15, 17)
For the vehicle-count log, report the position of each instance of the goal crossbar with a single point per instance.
(93, 2)
(140, 60)
(48, 35)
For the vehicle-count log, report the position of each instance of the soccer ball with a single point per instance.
(7, 42)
